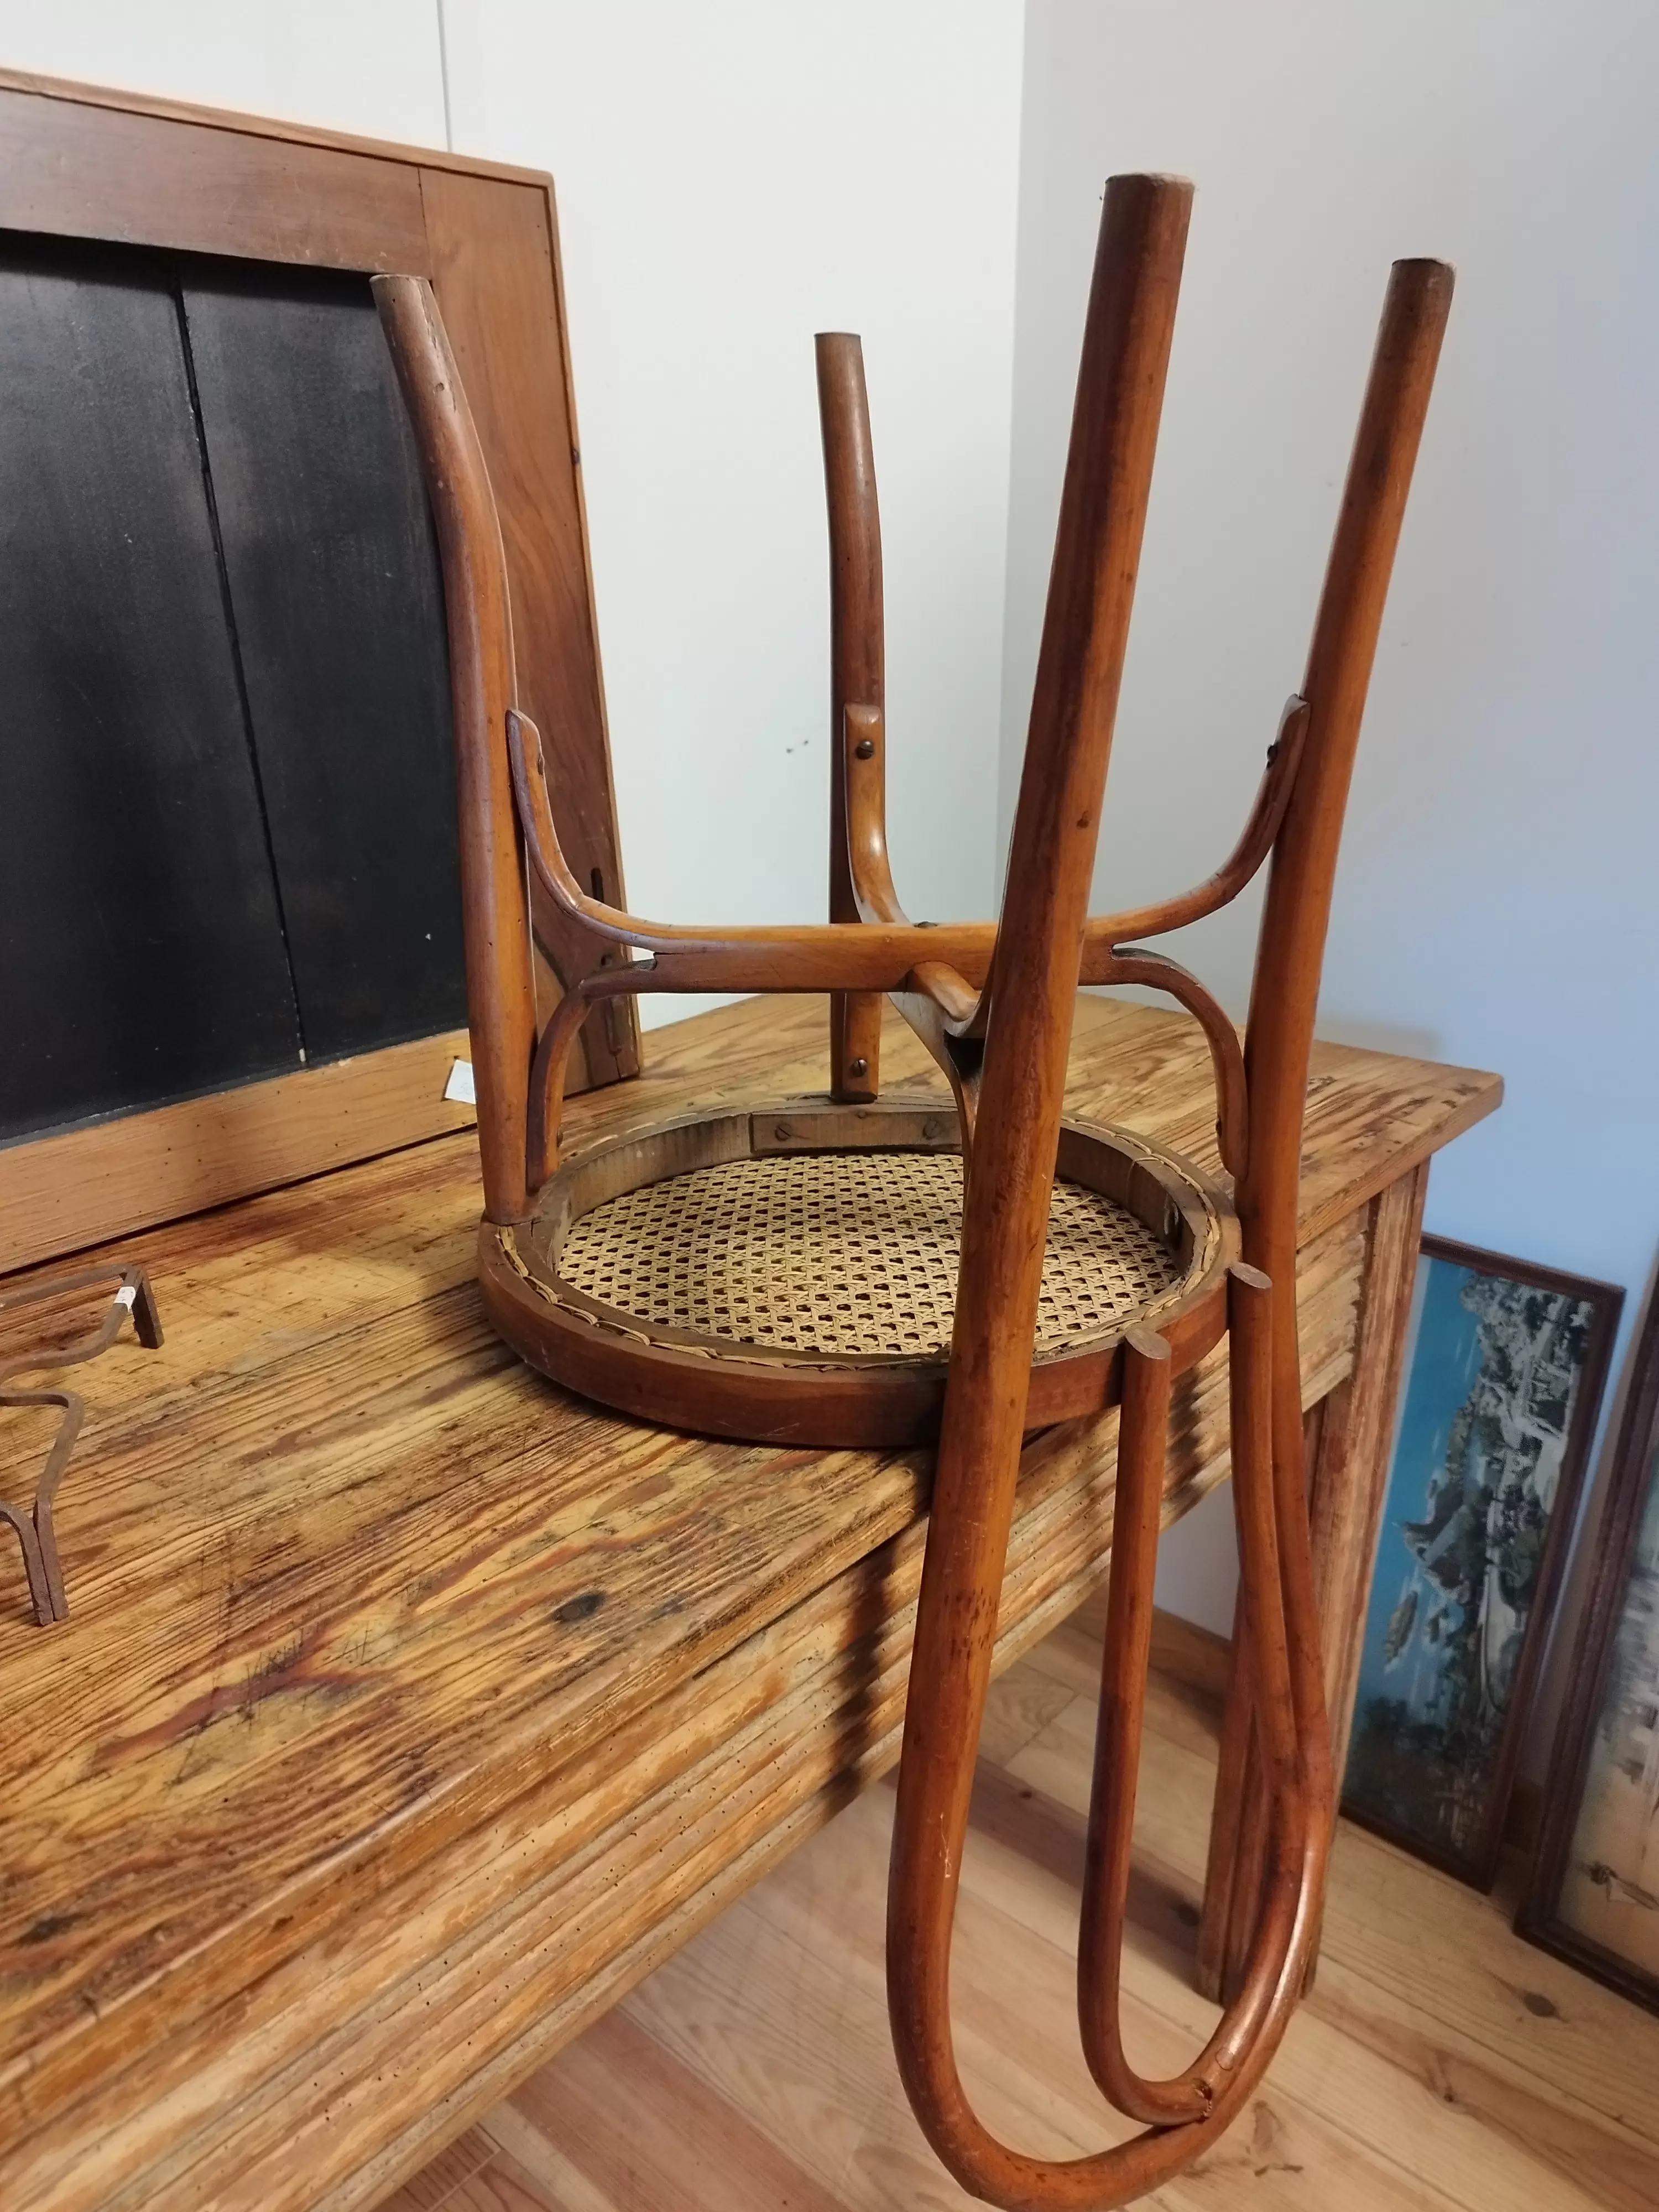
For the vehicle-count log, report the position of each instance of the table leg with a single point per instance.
(1349, 1436)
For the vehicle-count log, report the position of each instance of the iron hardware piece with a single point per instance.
(132, 1295)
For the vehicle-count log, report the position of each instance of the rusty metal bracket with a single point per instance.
(32, 1524)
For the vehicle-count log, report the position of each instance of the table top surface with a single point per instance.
(339, 1564)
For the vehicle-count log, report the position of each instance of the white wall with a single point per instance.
(1498, 895)
(372, 66)
(732, 178)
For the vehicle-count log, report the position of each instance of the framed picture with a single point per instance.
(1504, 1367)
(1594, 1898)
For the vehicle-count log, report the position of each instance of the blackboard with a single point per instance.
(226, 801)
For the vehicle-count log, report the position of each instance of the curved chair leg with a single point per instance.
(1125, 1660)
(1187, 2113)
(857, 671)
(550, 1069)
(1137, 1512)
(549, 1073)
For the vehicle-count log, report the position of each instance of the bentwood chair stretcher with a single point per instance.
(847, 1269)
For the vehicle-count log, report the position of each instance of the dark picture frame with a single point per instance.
(1612, 1702)
(1484, 1483)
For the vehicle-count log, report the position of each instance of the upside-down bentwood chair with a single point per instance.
(774, 1270)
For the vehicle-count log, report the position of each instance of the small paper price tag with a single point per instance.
(459, 1090)
(127, 1295)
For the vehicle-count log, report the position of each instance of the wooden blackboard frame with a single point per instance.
(82, 161)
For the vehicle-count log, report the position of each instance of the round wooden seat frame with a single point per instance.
(654, 1218)
(819, 1310)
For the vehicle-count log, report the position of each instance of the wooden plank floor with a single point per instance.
(1439, 2062)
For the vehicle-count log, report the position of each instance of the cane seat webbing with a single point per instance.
(850, 1253)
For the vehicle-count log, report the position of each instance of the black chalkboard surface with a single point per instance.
(141, 947)
(227, 802)
(340, 621)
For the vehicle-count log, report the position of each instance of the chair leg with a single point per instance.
(1270, 1619)
(1137, 1511)
(1234, 1779)
(550, 1069)
(857, 668)
(1187, 2096)
(549, 1074)
(1247, 1873)
(1186, 2112)
(854, 1045)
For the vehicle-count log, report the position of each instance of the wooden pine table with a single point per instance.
(410, 1710)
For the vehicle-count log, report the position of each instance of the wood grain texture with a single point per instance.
(858, 678)
(91, 162)
(1126, 336)
(494, 270)
(84, 169)
(411, 1710)
(1348, 1475)
(501, 994)
(753, 2069)
(110, 1178)
(257, 126)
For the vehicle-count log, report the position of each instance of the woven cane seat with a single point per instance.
(852, 1252)
(791, 1272)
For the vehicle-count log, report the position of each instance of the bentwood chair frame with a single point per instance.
(993, 1004)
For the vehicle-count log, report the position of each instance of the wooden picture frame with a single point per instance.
(1455, 1618)
(80, 161)
(1623, 1599)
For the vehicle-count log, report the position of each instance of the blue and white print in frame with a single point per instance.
(1505, 1366)
(1594, 1898)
